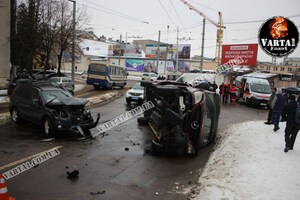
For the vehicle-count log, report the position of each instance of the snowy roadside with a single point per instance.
(250, 164)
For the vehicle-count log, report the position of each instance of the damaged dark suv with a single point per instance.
(183, 119)
(51, 106)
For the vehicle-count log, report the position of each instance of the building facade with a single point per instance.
(4, 42)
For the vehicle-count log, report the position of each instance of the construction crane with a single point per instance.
(219, 25)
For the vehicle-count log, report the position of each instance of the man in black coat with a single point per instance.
(292, 128)
(269, 121)
(277, 106)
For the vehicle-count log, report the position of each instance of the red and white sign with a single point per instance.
(247, 52)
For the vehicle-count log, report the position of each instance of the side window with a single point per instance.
(35, 94)
(26, 93)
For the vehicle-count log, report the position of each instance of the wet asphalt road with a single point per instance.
(118, 165)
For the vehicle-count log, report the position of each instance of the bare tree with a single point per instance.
(42, 28)
(49, 29)
(66, 29)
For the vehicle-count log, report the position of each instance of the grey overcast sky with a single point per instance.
(144, 18)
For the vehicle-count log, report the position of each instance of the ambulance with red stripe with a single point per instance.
(253, 90)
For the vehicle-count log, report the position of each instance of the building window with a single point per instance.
(298, 69)
(275, 68)
(282, 69)
(268, 68)
(290, 69)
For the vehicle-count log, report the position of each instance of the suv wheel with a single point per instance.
(48, 129)
(142, 121)
(15, 117)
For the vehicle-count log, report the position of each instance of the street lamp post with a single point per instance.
(73, 41)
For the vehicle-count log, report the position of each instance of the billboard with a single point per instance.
(135, 65)
(170, 52)
(183, 51)
(248, 52)
(133, 50)
(152, 51)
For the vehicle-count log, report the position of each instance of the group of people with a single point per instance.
(161, 77)
(284, 106)
(228, 93)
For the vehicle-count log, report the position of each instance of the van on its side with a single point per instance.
(253, 91)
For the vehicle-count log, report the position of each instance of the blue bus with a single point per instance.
(100, 74)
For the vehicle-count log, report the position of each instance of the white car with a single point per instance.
(64, 82)
(135, 94)
(149, 77)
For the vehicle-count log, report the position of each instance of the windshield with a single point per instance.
(138, 87)
(97, 68)
(260, 88)
(50, 96)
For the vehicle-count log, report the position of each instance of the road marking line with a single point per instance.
(27, 158)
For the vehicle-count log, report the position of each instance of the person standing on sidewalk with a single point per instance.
(269, 120)
(277, 106)
(292, 128)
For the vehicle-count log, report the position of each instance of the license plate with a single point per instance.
(134, 98)
(263, 104)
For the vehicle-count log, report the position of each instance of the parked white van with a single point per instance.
(253, 91)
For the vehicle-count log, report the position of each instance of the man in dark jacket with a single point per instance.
(269, 120)
(292, 128)
(277, 106)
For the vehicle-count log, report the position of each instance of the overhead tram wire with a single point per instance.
(260, 20)
(167, 13)
(112, 12)
(177, 15)
(205, 6)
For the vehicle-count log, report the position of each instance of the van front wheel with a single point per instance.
(247, 102)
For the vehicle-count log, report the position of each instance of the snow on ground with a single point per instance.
(250, 164)
(135, 78)
(79, 87)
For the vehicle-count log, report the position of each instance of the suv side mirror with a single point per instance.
(37, 101)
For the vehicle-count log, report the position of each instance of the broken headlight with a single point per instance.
(63, 114)
(86, 111)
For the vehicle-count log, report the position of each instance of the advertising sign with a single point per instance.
(183, 51)
(133, 50)
(247, 52)
(152, 50)
(150, 66)
(135, 65)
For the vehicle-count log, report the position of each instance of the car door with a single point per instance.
(36, 108)
(22, 102)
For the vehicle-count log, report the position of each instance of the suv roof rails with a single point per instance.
(43, 83)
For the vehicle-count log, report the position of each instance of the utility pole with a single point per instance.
(73, 41)
(125, 50)
(167, 49)
(120, 50)
(177, 47)
(202, 48)
(158, 51)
